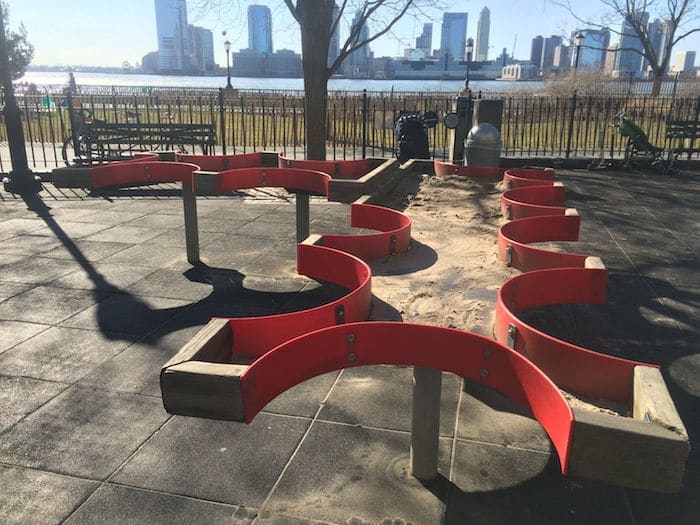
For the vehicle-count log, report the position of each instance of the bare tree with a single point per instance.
(317, 22)
(680, 16)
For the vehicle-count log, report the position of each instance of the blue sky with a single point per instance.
(97, 32)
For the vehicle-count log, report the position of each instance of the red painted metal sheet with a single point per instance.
(514, 238)
(463, 353)
(290, 178)
(531, 201)
(253, 336)
(394, 236)
(133, 173)
(224, 162)
(473, 172)
(511, 181)
(531, 173)
(571, 367)
(338, 169)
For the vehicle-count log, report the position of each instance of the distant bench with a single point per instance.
(683, 136)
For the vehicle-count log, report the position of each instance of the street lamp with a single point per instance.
(470, 48)
(578, 41)
(227, 47)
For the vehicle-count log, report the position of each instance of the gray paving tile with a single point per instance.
(176, 238)
(9, 259)
(8, 290)
(20, 396)
(77, 230)
(649, 508)
(113, 504)
(170, 284)
(103, 276)
(381, 397)
(159, 221)
(126, 234)
(147, 254)
(111, 217)
(90, 250)
(46, 304)
(37, 270)
(272, 266)
(21, 226)
(61, 354)
(28, 244)
(218, 224)
(269, 230)
(82, 432)
(304, 399)
(31, 496)
(14, 332)
(215, 460)
(343, 473)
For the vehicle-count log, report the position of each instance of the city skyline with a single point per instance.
(109, 47)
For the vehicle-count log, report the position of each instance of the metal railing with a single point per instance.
(358, 124)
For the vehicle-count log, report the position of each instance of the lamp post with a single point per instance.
(578, 41)
(227, 47)
(470, 48)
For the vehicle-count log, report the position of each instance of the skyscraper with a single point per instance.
(358, 61)
(548, 47)
(424, 42)
(482, 35)
(658, 31)
(334, 42)
(202, 49)
(173, 36)
(593, 49)
(453, 39)
(260, 29)
(536, 51)
(629, 57)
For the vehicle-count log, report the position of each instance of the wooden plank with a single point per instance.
(72, 177)
(651, 400)
(211, 343)
(425, 422)
(626, 451)
(189, 207)
(205, 183)
(270, 159)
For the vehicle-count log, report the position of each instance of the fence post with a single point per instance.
(222, 121)
(365, 103)
(570, 134)
(73, 122)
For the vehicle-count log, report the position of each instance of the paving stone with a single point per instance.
(76, 230)
(13, 332)
(272, 266)
(20, 396)
(146, 254)
(158, 221)
(238, 242)
(113, 504)
(112, 217)
(31, 496)
(215, 460)
(37, 270)
(218, 224)
(127, 314)
(82, 432)
(381, 397)
(46, 304)
(91, 250)
(125, 233)
(269, 230)
(349, 474)
(102, 276)
(487, 416)
(170, 284)
(303, 399)
(28, 244)
(61, 354)
(176, 238)
(22, 226)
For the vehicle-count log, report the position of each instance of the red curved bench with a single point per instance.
(338, 169)
(394, 233)
(143, 172)
(571, 367)
(223, 162)
(290, 178)
(515, 236)
(531, 201)
(447, 168)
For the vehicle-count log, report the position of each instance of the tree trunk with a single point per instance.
(658, 80)
(315, 21)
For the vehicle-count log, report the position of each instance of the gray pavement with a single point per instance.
(96, 295)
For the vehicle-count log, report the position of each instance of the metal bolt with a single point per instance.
(486, 352)
(483, 372)
(350, 338)
(352, 357)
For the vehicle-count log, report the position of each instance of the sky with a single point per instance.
(109, 33)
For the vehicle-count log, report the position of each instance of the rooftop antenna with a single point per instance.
(515, 41)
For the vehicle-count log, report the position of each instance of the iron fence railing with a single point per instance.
(358, 123)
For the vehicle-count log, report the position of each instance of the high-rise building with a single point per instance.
(548, 46)
(259, 29)
(593, 48)
(453, 39)
(561, 58)
(482, 35)
(357, 64)
(173, 36)
(684, 63)
(610, 59)
(424, 42)
(629, 55)
(658, 31)
(201, 50)
(536, 51)
(334, 42)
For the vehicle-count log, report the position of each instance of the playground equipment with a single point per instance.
(638, 144)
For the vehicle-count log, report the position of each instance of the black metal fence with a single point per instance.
(359, 124)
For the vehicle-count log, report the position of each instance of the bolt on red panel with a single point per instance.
(531, 201)
(224, 162)
(338, 169)
(447, 168)
(130, 173)
(290, 178)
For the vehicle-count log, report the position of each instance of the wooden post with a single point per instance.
(189, 206)
(302, 201)
(461, 106)
(425, 422)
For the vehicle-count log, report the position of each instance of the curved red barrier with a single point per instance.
(290, 178)
(515, 236)
(456, 351)
(531, 201)
(447, 168)
(223, 162)
(253, 336)
(531, 173)
(394, 236)
(571, 367)
(144, 172)
(338, 169)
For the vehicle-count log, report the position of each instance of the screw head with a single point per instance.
(350, 338)
(352, 357)
(483, 372)
(486, 352)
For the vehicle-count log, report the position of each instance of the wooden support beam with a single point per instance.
(189, 206)
(425, 422)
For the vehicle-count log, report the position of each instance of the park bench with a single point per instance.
(681, 136)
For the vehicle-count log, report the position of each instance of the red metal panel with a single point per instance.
(511, 181)
(224, 162)
(519, 233)
(338, 169)
(473, 172)
(531, 173)
(290, 178)
(531, 201)
(253, 336)
(456, 351)
(131, 173)
(571, 367)
(395, 236)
